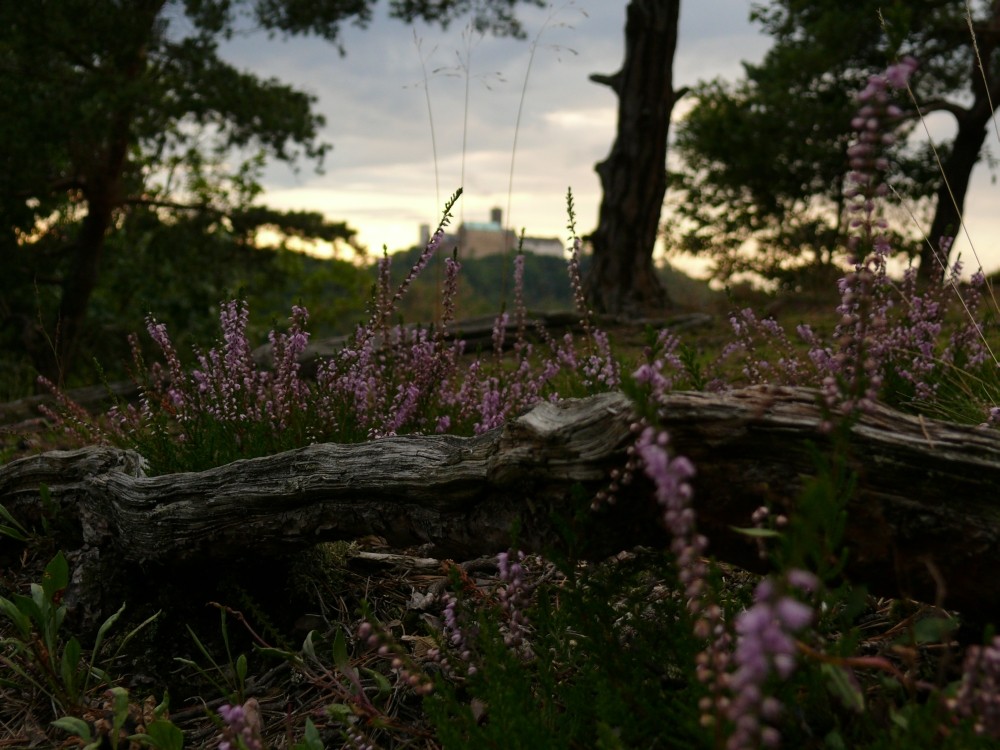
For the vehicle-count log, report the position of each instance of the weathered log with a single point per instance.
(461, 495)
(924, 521)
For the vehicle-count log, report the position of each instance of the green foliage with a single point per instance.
(40, 655)
(763, 186)
(760, 165)
(11, 527)
(311, 740)
(228, 677)
(181, 270)
(160, 733)
(479, 293)
(606, 660)
(124, 126)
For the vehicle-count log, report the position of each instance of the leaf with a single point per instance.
(340, 657)
(840, 684)
(15, 530)
(101, 632)
(32, 605)
(204, 652)
(105, 627)
(933, 629)
(384, 686)
(241, 668)
(163, 735)
(163, 706)
(12, 533)
(339, 712)
(308, 648)
(279, 653)
(131, 634)
(120, 697)
(70, 665)
(312, 740)
(225, 634)
(56, 577)
(74, 726)
(834, 741)
(608, 738)
(757, 533)
(20, 619)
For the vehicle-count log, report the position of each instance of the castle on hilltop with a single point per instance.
(477, 239)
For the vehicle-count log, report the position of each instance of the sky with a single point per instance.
(515, 122)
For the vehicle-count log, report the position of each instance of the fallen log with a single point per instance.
(924, 521)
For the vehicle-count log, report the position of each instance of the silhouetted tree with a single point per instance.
(633, 178)
(765, 158)
(113, 105)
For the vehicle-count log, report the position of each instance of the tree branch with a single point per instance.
(613, 81)
(941, 105)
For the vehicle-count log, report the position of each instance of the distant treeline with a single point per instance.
(181, 281)
(486, 285)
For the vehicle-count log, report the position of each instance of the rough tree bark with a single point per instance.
(924, 521)
(622, 280)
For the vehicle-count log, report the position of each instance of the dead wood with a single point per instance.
(924, 520)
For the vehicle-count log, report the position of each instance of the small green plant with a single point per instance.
(156, 731)
(11, 527)
(353, 692)
(40, 655)
(228, 678)
(599, 656)
(49, 518)
(311, 740)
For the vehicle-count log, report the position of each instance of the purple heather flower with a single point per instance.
(601, 365)
(765, 648)
(978, 694)
(515, 596)
(238, 731)
(671, 477)
(898, 75)
(458, 634)
(450, 291)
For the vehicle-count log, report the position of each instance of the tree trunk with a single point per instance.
(622, 280)
(924, 520)
(103, 175)
(79, 284)
(956, 173)
(966, 148)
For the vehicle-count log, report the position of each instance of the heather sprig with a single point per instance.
(759, 341)
(659, 356)
(408, 674)
(575, 277)
(856, 378)
(241, 730)
(385, 306)
(515, 596)
(765, 651)
(227, 406)
(671, 477)
(978, 695)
